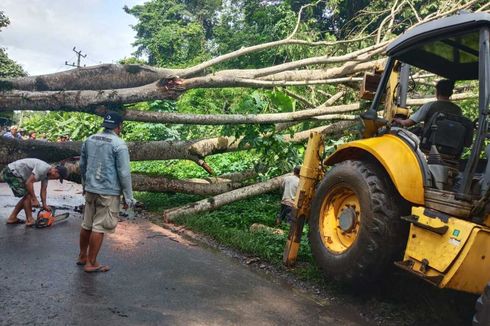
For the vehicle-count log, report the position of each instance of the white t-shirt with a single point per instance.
(25, 167)
(290, 185)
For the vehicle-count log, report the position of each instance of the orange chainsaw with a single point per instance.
(48, 218)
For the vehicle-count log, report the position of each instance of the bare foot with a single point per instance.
(82, 260)
(96, 268)
(15, 221)
(30, 222)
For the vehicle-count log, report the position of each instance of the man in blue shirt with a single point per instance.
(13, 133)
(105, 171)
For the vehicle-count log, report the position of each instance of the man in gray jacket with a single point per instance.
(105, 171)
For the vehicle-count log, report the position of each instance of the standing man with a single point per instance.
(104, 167)
(21, 176)
(290, 185)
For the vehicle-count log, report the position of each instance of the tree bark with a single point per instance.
(217, 119)
(223, 199)
(153, 183)
(170, 89)
(105, 76)
(201, 187)
(194, 150)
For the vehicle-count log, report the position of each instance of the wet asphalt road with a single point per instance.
(157, 278)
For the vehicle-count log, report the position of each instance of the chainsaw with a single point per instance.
(48, 218)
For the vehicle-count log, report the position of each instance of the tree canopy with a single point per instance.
(8, 67)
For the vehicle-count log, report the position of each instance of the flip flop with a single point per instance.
(81, 263)
(98, 269)
(18, 221)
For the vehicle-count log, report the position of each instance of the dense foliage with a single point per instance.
(8, 67)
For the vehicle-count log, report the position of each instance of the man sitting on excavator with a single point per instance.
(444, 90)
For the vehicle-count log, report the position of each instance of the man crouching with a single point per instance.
(21, 176)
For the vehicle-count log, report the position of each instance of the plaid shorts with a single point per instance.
(15, 183)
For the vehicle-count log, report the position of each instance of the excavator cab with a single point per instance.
(421, 200)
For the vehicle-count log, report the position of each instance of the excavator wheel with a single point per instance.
(355, 228)
(482, 306)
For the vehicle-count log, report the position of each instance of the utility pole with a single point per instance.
(79, 54)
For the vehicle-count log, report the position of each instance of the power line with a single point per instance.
(79, 54)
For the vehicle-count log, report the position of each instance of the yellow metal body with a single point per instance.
(397, 158)
(390, 106)
(391, 109)
(452, 254)
(334, 238)
(310, 173)
(446, 251)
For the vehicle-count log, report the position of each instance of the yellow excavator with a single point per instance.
(419, 199)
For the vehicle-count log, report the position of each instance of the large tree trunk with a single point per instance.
(322, 111)
(194, 150)
(223, 199)
(198, 186)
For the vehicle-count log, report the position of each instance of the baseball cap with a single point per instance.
(112, 120)
(62, 171)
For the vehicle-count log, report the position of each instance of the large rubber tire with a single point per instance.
(381, 235)
(482, 307)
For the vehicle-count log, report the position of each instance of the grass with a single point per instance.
(400, 299)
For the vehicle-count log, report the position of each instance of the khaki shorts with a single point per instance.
(101, 213)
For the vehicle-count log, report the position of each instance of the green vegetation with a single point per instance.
(8, 67)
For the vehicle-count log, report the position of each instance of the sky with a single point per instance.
(42, 33)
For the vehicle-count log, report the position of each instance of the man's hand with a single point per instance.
(128, 206)
(397, 122)
(46, 208)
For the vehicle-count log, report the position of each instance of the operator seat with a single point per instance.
(452, 134)
(442, 107)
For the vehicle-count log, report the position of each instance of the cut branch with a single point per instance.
(223, 199)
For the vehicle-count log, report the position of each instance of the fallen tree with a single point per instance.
(106, 87)
(156, 183)
(193, 150)
(223, 199)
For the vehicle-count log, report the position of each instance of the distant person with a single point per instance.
(43, 137)
(105, 172)
(13, 133)
(21, 176)
(32, 135)
(444, 90)
(290, 185)
(23, 134)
